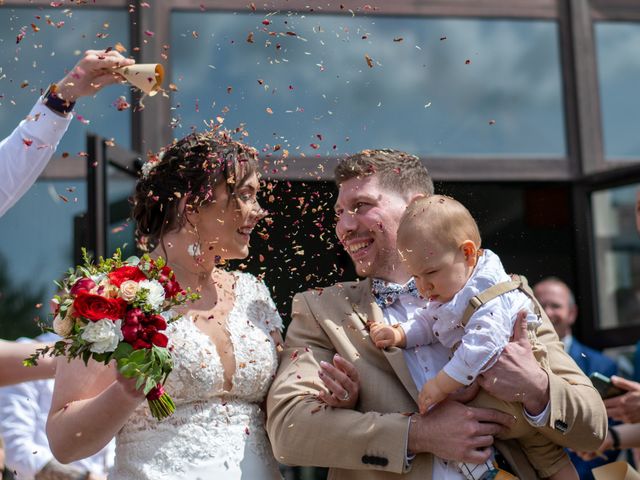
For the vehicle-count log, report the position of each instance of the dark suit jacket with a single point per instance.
(590, 360)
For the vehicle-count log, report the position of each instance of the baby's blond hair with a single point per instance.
(438, 218)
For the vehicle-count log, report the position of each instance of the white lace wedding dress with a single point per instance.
(213, 434)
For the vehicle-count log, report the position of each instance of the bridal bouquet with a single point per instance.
(113, 311)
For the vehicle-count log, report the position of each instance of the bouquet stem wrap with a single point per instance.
(160, 403)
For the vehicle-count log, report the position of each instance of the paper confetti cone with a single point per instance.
(616, 471)
(145, 76)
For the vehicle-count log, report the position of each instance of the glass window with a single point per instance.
(617, 256)
(328, 84)
(121, 228)
(617, 45)
(44, 56)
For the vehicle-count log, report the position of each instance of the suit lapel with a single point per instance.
(365, 308)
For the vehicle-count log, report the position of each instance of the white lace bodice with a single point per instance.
(210, 425)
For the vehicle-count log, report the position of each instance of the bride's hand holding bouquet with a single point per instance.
(117, 310)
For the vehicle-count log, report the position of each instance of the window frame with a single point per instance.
(585, 248)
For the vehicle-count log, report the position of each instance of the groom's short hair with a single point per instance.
(398, 171)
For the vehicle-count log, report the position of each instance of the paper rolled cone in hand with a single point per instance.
(145, 76)
(616, 471)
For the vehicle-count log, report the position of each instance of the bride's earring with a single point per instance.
(194, 249)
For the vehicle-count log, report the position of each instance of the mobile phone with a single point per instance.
(605, 388)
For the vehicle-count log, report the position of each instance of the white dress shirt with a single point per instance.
(25, 153)
(424, 362)
(23, 417)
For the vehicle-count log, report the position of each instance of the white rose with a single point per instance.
(104, 335)
(156, 293)
(63, 325)
(128, 290)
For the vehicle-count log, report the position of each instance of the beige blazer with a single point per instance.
(370, 442)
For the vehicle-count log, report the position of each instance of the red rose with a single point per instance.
(82, 285)
(95, 307)
(123, 274)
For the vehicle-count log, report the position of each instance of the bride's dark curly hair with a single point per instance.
(188, 168)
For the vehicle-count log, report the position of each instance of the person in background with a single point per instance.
(23, 415)
(558, 302)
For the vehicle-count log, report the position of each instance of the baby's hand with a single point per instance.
(384, 336)
(430, 395)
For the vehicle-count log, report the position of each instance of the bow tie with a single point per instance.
(387, 293)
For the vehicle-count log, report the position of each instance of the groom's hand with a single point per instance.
(454, 431)
(517, 376)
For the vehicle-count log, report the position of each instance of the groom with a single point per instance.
(381, 436)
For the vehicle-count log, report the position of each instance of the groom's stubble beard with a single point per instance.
(384, 263)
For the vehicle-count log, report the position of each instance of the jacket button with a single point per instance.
(561, 426)
(366, 459)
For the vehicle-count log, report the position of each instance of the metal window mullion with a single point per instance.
(97, 206)
(585, 76)
(150, 33)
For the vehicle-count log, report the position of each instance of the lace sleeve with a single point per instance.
(266, 308)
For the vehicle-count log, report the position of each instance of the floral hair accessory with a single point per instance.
(118, 310)
(152, 162)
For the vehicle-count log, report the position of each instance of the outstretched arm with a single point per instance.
(13, 371)
(625, 408)
(628, 435)
(25, 153)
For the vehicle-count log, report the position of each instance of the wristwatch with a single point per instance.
(56, 103)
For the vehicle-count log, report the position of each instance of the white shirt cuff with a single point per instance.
(408, 457)
(539, 420)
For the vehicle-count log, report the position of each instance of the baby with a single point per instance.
(440, 244)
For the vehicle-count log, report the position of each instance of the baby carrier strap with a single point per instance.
(518, 282)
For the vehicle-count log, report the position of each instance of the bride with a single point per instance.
(196, 206)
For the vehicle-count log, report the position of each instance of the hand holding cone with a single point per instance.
(145, 76)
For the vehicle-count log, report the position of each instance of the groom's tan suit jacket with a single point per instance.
(371, 441)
